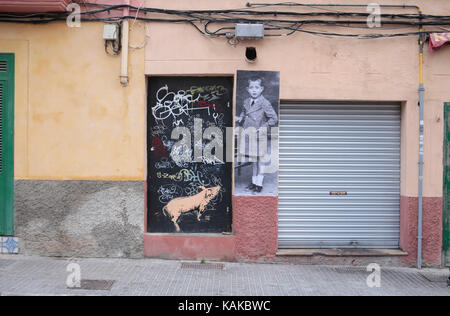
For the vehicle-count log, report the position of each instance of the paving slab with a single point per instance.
(25, 275)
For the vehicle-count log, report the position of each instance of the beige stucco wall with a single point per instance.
(73, 119)
(319, 68)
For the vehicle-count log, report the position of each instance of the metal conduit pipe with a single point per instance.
(125, 45)
(421, 128)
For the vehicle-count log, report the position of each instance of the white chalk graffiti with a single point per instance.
(218, 118)
(212, 161)
(168, 143)
(181, 155)
(172, 105)
(178, 123)
(158, 130)
(168, 192)
(216, 181)
(189, 124)
(165, 163)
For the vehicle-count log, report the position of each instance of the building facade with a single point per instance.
(84, 147)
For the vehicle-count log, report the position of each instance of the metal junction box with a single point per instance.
(249, 31)
(111, 32)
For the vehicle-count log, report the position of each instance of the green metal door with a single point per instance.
(446, 197)
(6, 144)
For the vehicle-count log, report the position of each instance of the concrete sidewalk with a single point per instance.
(24, 275)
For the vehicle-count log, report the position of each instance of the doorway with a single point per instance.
(189, 180)
(6, 144)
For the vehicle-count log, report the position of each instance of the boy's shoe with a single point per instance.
(258, 188)
(251, 186)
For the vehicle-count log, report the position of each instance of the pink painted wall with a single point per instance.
(432, 230)
(255, 222)
(35, 6)
(31, 6)
(190, 246)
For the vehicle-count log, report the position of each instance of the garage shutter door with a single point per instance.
(339, 182)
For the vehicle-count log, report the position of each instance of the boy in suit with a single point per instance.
(257, 113)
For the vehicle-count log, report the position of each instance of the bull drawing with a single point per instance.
(175, 208)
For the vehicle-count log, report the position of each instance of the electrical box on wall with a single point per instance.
(249, 31)
(110, 32)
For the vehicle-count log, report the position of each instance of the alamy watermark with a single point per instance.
(208, 145)
(374, 18)
(73, 280)
(374, 279)
(74, 18)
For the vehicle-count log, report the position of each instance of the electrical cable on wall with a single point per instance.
(116, 45)
(144, 42)
(290, 23)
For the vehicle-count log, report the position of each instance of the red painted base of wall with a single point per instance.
(432, 230)
(256, 224)
(190, 247)
(255, 235)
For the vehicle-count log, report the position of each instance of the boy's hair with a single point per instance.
(261, 81)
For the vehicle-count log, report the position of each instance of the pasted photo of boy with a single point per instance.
(256, 163)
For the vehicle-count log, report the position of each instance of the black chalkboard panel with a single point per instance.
(189, 179)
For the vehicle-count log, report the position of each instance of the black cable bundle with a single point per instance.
(288, 24)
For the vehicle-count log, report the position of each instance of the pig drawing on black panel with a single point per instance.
(175, 208)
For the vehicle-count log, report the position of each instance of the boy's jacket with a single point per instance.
(260, 114)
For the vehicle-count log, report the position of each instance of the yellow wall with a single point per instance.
(319, 68)
(73, 119)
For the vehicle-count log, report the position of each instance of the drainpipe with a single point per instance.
(125, 45)
(421, 105)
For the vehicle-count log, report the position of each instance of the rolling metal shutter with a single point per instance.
(328, 150)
